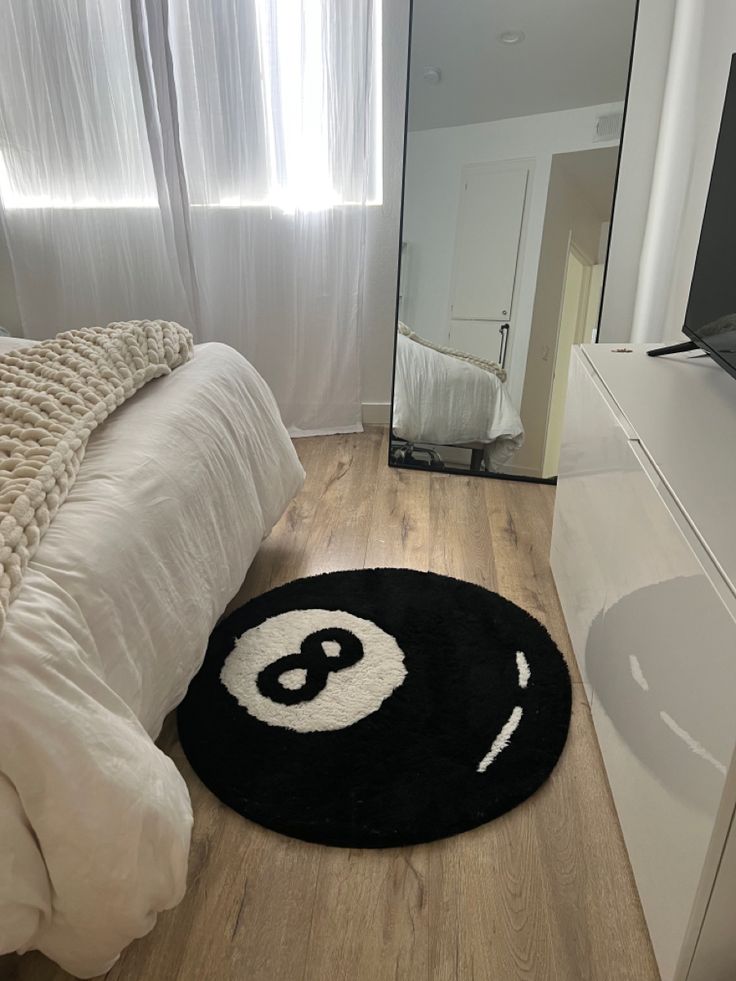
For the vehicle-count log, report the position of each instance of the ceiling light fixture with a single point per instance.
(511, 37)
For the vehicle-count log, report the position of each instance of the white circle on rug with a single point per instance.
(349, 694)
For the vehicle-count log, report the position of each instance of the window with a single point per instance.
(72, 130)
(278, 101)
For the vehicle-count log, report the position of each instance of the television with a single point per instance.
(710, 319)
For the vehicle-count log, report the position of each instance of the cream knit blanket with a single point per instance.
(52, 396)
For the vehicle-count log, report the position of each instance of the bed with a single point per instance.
(441, 399)
(177, 489)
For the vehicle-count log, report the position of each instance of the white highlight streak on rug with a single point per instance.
(502, 739)
(523, 667)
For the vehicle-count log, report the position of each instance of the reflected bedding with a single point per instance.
(441, 399)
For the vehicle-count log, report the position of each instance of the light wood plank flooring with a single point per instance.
(545, 892)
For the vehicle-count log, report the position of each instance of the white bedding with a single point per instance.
(174, 496)
(440, 399)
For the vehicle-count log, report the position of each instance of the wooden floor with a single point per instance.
(544, 892)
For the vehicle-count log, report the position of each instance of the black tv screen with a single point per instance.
(710, 319)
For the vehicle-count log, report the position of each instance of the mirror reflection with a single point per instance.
(514, 122)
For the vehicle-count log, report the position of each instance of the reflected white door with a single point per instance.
(489, 226)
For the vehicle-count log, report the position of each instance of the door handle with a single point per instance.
(504, 332)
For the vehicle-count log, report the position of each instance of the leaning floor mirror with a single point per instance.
(514, 120)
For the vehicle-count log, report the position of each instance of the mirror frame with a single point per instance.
(426, 467)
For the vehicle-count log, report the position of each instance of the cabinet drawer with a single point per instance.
(656, 647)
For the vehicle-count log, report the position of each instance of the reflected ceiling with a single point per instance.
(570, 57)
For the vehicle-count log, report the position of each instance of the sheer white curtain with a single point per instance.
(205, 162)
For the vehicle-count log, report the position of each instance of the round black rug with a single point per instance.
(378, 707)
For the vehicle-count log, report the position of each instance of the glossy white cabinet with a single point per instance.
(648, 598)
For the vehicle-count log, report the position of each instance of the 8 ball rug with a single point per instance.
(376, 707)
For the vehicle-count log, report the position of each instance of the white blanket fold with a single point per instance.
(176, 492)
(52, 396)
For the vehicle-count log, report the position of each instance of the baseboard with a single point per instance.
(376, 413)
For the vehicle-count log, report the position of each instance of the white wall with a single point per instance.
(646, 93)
(435, 159)
(681, 60)
(718, 43)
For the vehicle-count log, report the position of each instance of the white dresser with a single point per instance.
(644, 558)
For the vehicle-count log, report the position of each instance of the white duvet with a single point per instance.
(174, 496)
(441, 399)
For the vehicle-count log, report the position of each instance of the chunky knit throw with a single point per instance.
(52, 396)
